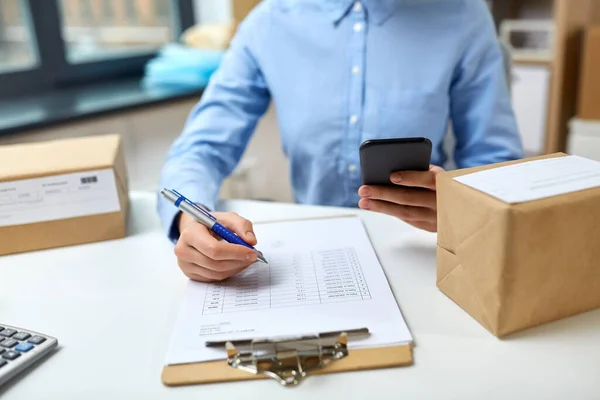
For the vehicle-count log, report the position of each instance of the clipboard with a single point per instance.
(352, 360)
(222, 371)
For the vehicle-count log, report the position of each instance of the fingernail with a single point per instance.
(250, 256)
(365, 204)
(250, 235)
(365, 191)
(396, 178)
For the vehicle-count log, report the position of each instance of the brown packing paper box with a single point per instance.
(515, 266)
(241, 8)
(61, 193)
(589, 83)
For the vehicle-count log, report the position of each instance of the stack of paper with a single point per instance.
(323, 275)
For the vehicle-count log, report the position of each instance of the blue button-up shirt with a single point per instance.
(341, 72)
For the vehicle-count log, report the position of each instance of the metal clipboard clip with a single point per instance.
(289, 360)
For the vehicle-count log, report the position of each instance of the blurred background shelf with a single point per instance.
(547, 102)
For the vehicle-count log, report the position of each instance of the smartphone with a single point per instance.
(380, 157)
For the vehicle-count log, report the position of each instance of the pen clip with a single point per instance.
(191, 203)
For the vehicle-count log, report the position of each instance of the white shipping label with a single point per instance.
(58, 197)
(536, 180)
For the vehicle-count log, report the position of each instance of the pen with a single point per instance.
(207, 219)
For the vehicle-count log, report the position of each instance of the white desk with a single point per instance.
(112, 306)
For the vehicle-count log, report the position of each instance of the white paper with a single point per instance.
(536, 180)
(58, 197)
(323, 275)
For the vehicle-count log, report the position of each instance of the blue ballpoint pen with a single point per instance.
(207, 219)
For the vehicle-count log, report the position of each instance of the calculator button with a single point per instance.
(22, 336)
(3, 363)
(2, 350)
(37, 339)
(7, 332)
(8, 343)
(11, 355)
(24, 347)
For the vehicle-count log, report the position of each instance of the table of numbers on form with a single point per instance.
(307, 278)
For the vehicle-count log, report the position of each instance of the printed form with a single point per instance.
(534, 180)
(323, 275)
(57, 197)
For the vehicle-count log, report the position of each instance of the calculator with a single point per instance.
(20, 349)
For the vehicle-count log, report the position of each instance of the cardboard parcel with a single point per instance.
(519, 242)
(62, 192)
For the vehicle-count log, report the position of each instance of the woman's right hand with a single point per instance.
(204, 257)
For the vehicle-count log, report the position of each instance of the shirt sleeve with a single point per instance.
(217, 130)
(483, 119)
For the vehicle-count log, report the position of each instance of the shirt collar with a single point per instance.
(378, 10)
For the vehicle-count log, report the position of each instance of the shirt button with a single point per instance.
(355, 70)
(358, 27)
(353, 119)
(357, 7)
(351, 168)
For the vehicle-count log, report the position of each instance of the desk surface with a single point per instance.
(112, 305)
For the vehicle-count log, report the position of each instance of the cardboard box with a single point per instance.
(589, 84)
(61, 193)
(513, 266)
(241, 8)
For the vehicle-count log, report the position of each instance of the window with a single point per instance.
(52, 44)
(16, 48)
(94, 29)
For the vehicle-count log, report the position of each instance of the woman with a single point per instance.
(341, 72)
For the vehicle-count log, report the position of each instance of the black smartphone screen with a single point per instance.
(380, 157)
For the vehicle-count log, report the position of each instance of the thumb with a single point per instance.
(240, 226)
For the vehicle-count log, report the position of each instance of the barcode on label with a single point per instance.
(89, 179)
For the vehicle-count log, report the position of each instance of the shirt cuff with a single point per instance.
(174, 233)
